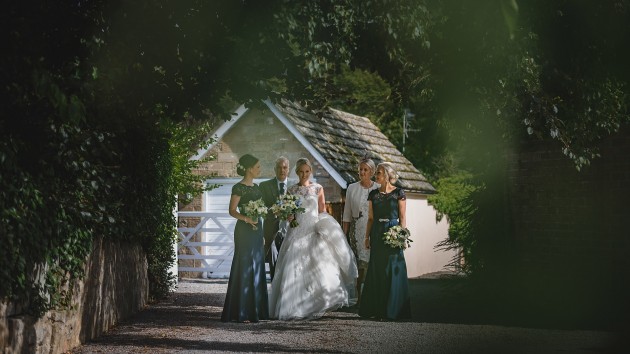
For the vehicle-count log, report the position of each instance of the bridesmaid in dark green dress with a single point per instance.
(246, 299)
(386, 290)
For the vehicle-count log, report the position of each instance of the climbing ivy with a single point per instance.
(455, 203)
(56, 198)
(79, 183)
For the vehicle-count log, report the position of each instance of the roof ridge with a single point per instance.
(343, 143)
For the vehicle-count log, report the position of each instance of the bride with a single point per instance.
(316, 270)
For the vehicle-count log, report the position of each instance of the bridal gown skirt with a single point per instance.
(316, 271)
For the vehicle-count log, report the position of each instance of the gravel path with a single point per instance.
(189, 322)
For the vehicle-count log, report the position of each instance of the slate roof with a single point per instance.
(343, 139)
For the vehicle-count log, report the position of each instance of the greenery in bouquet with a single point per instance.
(255, 209)
(398, 237)
(287, 204)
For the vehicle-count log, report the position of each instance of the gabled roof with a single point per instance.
(343, 139)
(338, 140)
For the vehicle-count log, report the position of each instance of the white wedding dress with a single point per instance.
(316, 270)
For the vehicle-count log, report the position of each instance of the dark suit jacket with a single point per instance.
(270, 192)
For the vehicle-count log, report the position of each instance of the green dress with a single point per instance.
(246, 298)
(386, 289)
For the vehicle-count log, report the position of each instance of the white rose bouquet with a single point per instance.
(255, 209)
(287, 204)
(397, 237)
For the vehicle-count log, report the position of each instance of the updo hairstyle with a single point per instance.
(369, 164)
(302, 161)
(392, 176)
(246, 161)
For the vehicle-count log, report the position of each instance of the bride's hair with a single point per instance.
(392, 176)
(302, 161)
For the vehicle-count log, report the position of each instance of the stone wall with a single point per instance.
(115, 286)
(261, 134)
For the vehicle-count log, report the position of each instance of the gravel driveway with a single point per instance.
(189, 322)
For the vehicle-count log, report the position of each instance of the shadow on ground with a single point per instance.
(190, 319)
(436, 300)
(455, 300)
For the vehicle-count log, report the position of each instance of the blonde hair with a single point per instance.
(369, 163)
(302, 161)
(392, 176)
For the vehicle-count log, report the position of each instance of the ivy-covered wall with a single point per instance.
(115, 286)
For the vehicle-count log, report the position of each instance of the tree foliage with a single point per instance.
(544, 78)
(456, 203)
(481, 78)
(103, 103)
(85, 152)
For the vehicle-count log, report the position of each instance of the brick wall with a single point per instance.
(571, 228)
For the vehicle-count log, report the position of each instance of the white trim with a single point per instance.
(307, 144)
(224, 128)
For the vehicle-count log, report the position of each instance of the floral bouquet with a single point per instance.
(255, 209)
(397, 237)
(287, 204)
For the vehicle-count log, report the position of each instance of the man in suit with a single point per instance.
(274, 229)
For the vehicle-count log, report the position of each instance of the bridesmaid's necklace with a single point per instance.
(385, 190)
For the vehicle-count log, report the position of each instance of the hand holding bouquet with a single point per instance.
(397, 237)
(255, 209)
(287, 205)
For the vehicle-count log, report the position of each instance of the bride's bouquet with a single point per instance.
(255, 209)
(397, 237)
(287, 204)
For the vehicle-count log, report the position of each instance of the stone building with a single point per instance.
(334, 141)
